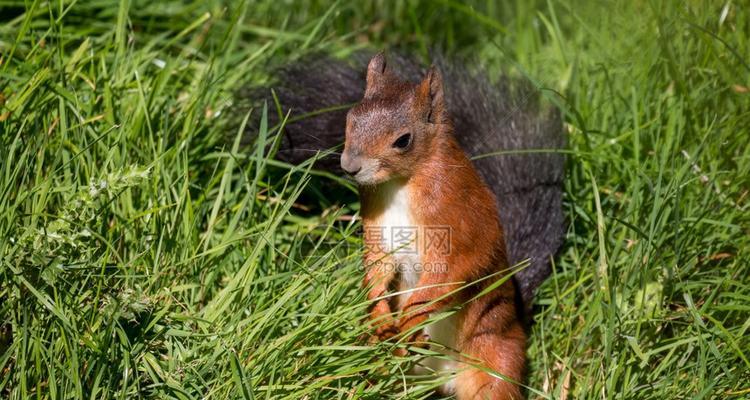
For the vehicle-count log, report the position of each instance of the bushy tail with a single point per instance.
(497, 123)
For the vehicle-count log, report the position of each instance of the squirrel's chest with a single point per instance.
(399, 237)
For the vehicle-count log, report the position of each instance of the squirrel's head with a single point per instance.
(395, 126)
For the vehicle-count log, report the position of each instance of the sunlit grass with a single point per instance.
(144, 253)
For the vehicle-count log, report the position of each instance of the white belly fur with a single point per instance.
(396, 216)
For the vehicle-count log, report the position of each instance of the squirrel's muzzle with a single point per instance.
(351, 165)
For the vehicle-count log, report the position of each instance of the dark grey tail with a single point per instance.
(488, 117)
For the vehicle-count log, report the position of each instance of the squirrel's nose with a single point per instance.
(351, 165)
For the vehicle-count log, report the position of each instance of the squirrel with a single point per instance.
(398, 122)
(412, 174)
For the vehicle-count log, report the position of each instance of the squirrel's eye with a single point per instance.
(403, 141)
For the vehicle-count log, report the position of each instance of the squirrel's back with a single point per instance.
(489, 117)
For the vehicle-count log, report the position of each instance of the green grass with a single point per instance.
(144, 254)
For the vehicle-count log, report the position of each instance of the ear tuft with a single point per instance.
(432, 89)
(376, 73)
(377, 64)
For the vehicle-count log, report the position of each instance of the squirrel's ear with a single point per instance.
(431, 90)
(375, 74)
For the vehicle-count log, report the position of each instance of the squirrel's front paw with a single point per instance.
(385, 331)
(381, 318)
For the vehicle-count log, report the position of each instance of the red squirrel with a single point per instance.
(412, 174)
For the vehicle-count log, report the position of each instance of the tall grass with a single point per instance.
(144, 254)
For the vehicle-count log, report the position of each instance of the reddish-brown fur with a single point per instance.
(443, 190)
